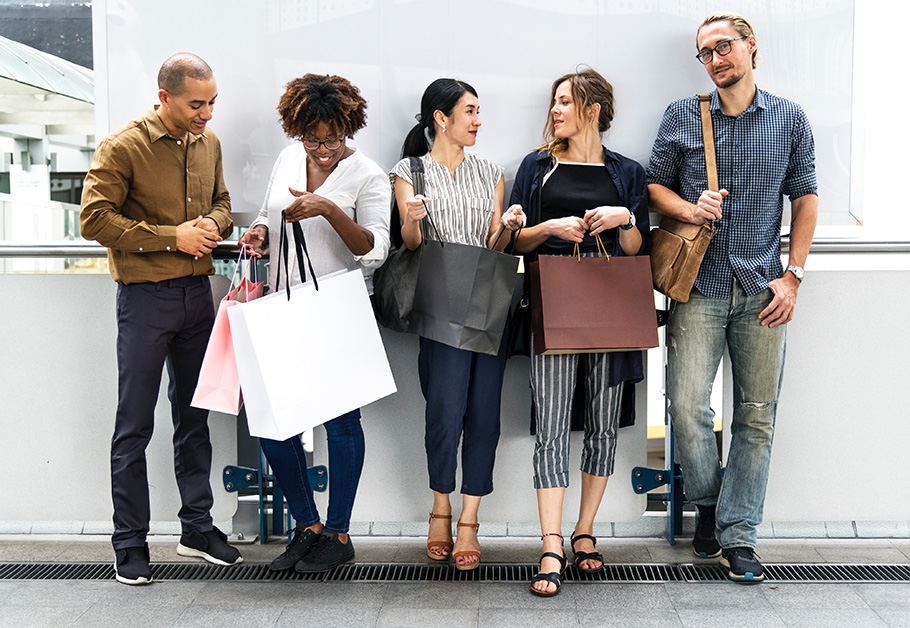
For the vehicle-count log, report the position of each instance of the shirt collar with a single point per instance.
(759, 102)
(157, 130)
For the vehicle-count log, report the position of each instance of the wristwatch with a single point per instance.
(796, 270)
(631, 222)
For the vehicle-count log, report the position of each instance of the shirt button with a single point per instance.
(189, 200)
(179, 142)
(140, 248)
(168, 248)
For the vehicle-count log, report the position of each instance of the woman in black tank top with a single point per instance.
(572, 189)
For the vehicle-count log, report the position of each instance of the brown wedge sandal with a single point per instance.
(444, 545)
(467, 553)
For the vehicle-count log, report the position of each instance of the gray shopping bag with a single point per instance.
(463, 295)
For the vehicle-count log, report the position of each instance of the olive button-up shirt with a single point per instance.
(141, 185)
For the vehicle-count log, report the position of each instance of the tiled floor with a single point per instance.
(461, 604)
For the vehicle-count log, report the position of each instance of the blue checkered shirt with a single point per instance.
(766, 152)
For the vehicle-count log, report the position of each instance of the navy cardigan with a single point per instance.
(629, 177)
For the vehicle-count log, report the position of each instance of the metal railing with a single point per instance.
(76, 249)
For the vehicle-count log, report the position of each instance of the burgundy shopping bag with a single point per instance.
(592, 304)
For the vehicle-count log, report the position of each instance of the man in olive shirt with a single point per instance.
(155, 197)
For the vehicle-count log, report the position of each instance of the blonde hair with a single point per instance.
(588, 88)
(740, 24)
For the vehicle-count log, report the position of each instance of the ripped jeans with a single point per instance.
(697, 333)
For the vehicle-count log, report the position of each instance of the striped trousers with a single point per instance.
(553, 385)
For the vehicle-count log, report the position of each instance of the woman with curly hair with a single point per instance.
(341, 199)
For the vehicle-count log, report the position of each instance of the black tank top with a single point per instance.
(570, 190)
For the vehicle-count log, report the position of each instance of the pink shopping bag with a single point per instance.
(218, 387)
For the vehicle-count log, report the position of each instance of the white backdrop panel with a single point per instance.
(509, 50)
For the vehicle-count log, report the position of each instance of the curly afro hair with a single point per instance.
(316, 98)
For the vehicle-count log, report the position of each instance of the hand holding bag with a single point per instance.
(463, 295)
(218, 386)
(592, 304)
(678, 248)
(309, 353)
(395, 282)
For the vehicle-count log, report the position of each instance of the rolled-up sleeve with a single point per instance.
(801, 177)
(371, 211)
(666, 158)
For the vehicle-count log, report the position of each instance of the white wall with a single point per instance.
(58, 382)
(510, 50)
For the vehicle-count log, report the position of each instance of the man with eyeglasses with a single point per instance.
(155, 197)
(743, 297)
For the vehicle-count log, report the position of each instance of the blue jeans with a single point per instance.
(346, 450)
(696, 336)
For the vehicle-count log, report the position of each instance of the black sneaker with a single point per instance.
(303, 541)
(328, 552)
(704, 542)
(131, 565)
(211, 545)
(742, 565)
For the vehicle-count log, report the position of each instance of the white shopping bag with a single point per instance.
(307, 359)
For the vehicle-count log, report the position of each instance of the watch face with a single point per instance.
(796, 270)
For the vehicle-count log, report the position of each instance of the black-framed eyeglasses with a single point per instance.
(329, 144)
(722, 49)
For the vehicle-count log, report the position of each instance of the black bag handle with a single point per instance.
(513, 239)
(301, 252)
(418, 182)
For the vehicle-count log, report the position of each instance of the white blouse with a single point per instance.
(462, 206)
(358, 186)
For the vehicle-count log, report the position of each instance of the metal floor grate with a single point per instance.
(487, 572)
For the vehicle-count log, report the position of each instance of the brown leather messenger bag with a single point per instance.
(679, 247)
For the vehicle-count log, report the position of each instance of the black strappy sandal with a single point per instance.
(580, 557)
(552, 576)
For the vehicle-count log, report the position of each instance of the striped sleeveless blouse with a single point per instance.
(461, 206)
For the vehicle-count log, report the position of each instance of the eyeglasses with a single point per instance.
(329, 144)
(722, 49)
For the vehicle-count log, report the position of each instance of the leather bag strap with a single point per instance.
(707, 131)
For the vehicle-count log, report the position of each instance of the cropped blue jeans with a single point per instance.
(346, 450)
(697, 334)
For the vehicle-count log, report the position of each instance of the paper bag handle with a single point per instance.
(301, 250)
(601, 249)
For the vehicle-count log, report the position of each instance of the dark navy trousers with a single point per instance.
(164, 323)
(463, 390)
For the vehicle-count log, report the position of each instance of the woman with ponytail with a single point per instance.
(463, 195)
(573, 189)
